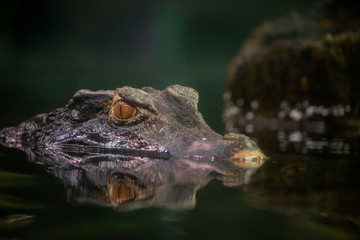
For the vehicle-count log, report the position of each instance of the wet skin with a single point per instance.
(130, 121)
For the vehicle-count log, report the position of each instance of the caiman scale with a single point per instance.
(130, 121)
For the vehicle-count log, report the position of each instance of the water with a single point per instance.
(296, 194)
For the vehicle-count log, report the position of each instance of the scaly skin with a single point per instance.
(165, 123)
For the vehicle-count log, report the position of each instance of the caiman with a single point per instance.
(136, 147)
(130, 121)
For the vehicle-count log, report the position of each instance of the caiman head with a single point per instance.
(145, 122)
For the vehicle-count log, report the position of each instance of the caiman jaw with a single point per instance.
(87, 146)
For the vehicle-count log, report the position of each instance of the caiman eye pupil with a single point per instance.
(123, 110)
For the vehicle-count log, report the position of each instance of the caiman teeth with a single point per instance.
(85, 147)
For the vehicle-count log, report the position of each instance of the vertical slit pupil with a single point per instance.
(123, 110)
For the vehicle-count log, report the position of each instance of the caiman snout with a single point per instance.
(244, 151)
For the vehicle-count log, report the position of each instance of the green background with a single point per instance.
(51, 49)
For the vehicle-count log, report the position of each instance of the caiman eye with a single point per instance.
(123, 110)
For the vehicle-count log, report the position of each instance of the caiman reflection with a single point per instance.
(130, 145)
(133, 182)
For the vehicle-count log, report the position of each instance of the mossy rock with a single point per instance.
(300, 61)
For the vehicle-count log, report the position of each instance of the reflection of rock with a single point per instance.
(299, 70)
(128, 182)
(325, 189)
(301, 142)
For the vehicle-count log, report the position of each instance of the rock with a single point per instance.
(299, 68)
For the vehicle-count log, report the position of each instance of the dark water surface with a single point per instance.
(296, 194)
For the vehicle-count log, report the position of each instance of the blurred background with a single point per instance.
(51, 49)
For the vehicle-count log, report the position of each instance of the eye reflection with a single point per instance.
(123, 110)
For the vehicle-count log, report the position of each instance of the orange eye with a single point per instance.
(123, 110)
